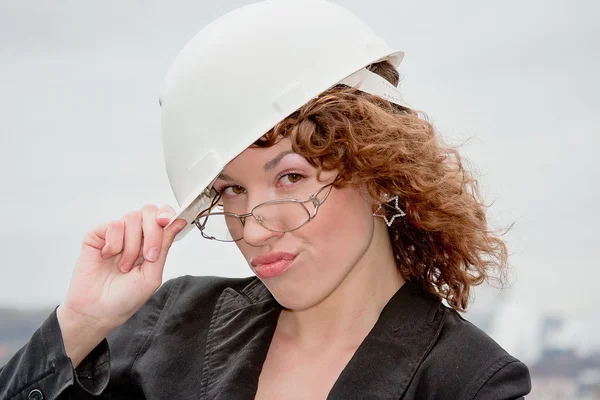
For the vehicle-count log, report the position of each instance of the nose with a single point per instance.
(255, 234)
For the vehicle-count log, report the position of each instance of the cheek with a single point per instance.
(333, 243)
(245, 249)
(342, 230)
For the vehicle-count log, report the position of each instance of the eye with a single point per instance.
(232, 190)
(291, 177)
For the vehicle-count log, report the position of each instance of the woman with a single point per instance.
(284, 134)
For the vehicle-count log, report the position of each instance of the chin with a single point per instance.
(295, 296)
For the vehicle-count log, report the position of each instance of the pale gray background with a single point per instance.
(80, 136)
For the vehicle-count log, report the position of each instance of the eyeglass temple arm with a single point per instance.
(315, 197)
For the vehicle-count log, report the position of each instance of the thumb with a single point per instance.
(154, 271)
(169, 235)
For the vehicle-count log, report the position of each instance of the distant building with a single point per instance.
(562, 374)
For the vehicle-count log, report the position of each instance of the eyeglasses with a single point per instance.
(284, 215)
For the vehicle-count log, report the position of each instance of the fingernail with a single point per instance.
(152, 255)
(164, 214)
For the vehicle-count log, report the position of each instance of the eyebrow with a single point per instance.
(268, 166)
(225, 177)
(273, 163)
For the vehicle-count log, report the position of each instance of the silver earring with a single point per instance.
(393, 203)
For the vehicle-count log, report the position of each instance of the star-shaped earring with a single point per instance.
(399, 212)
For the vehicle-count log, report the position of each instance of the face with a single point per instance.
(302, 267)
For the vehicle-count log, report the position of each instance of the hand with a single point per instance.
(119, 267)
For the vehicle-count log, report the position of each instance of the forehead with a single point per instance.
(260, 157)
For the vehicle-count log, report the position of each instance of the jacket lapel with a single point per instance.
(243, 324)
(388, 358)
(237, 342)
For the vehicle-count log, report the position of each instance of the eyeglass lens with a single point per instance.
(278, 216)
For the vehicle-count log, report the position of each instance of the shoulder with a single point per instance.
(183, 299)
(465, 354)
(181, 304)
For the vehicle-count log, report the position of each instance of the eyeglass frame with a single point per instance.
(242, 217)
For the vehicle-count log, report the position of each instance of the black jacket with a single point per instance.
(207, 338)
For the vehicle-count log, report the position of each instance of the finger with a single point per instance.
(132, 240)
(164, 215)
(112, 236)
(96, 237)
(153, 272)
(153, 233)
(169, 235)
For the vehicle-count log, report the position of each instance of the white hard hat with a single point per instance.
(247, 71)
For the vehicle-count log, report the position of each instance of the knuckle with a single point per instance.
(133, 216)
(115, 224)
(150, 224)
(166, 208)
(148, 208)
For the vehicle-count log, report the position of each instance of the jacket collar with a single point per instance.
(243, 324)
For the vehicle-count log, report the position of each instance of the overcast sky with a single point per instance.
(80, 131)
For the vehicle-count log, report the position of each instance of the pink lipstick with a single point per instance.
(272, 264)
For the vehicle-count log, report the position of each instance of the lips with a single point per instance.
(272, 264)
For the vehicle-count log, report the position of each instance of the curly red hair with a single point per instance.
(443, 242)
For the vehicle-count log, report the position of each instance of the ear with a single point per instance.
(368, 197)
(378, 202)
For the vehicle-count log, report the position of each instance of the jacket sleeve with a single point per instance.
(42, 370)
(507, 379)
